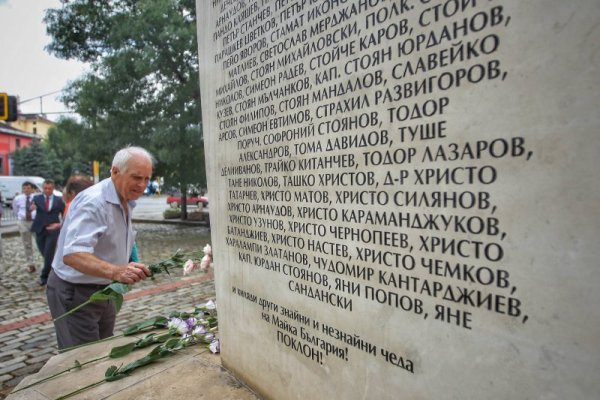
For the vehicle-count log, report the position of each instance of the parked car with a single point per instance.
(174, 200)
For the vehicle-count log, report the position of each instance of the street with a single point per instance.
(150, 207)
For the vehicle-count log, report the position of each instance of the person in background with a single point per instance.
(46, 225)
(75, 184)
(21, 205)
(94, 247)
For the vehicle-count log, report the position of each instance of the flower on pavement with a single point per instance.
(205, 263)
(191, 323)
(199, 331)
(207, 259)
(178, 326)
(211, 305)
(209, 337)
(215, 346)
(189, 267)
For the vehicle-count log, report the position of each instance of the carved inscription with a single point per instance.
(350, 183)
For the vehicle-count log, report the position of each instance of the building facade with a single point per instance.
(12, 139)
(36, 124)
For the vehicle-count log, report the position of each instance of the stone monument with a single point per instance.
(405, 199)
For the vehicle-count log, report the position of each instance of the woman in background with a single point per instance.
(75, 184)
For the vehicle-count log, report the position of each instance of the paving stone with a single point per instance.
(11, 346)
(18, 339)
(29, 369)
(15, 380)
(48, 350)
(13, 360)
(12, 367)
(43, 358)
(34, 344)
(3, 335)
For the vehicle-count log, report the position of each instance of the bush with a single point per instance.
(171, 213)
(196, 216)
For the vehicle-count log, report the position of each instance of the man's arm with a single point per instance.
(89, 264)
(14, 205)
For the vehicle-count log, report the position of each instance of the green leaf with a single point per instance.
(180, 314)
(111, 371)
(99, 296)
(121, 351)
(117, 287)
(116, 377)
(141, 362)
(108, 295)
(155, 322)
(171, 343)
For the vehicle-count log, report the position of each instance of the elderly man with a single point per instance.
(94, 247)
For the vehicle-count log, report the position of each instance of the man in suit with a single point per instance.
(46, 225)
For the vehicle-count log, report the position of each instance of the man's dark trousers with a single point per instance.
(46, 243)
(93, 322)
(44, 238)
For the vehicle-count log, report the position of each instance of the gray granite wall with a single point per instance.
(404, 196)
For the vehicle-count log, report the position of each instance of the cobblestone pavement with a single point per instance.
(27, 338)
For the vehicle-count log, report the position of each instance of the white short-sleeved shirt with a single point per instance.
(95, 224)
(19, 206)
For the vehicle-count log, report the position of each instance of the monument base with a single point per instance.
(191, 373)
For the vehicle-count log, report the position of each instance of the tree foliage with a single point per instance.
(36, 160)
(71, 142)
(142, 87)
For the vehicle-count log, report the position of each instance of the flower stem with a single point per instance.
(88, 343)
(72, 310)
(83, 389)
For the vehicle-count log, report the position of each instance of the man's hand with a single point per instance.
(89, 264)
(53, 227)
(132, 273)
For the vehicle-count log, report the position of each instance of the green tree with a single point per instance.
(37, 160)
(69, 141)
(143, 87)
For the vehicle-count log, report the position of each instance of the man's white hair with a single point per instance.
(123, 156)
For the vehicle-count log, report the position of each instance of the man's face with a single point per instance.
(26, 189)
(132, 182)
(48, 188)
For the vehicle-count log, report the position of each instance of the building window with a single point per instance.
(18, 143)
(35, 130)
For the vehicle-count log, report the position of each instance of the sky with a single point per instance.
(26, 69)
